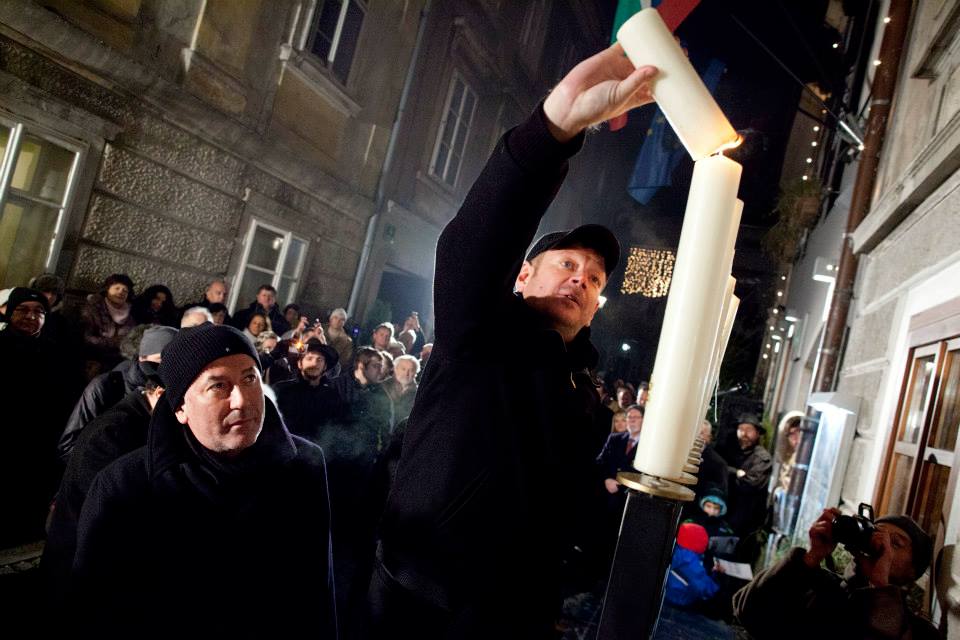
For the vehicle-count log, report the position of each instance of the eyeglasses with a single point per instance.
(29, 311)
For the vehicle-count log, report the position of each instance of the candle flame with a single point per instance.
(730, 145)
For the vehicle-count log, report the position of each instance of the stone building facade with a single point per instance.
(481, 67)
(179, 140)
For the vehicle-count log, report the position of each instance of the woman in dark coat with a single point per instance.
(155, 306)
(106, 319)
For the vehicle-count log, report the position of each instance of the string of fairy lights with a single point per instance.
(648, 272)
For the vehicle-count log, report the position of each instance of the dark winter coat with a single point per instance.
(103, 392)
(712, 476)
(688, 582)
(36, 399)
(401, 400)
(119, 430)
(306, 409)
(496, 456)
(792, 601)
(175, 540)
(101, 335)
(613, 457)
(748, 495)
(278, 324)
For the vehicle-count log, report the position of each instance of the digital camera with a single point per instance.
(855, 532)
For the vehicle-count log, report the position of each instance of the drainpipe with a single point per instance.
(884, 86)
(387, 164)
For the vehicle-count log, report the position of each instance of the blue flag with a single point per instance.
(661, 151)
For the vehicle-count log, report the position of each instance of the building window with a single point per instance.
(454, 131)
(271, 256)
(916, 480)
(36, 182)
(334, 33)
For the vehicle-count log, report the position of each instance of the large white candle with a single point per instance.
(691, 317)
(724, 339)
(678, 89)
(717, 350)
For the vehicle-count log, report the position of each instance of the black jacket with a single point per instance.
(496, 456)
(792, 601)
(36, 399)
(103, 392)
(119, 430)
(748, 495)
(278, 324)
(306, 409)
(613, 457)
(175, 540)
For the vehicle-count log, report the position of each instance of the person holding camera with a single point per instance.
(796, 598)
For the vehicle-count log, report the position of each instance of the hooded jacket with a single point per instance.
(174, 537)
(497, 454)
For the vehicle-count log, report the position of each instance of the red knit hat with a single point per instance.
(693, 537)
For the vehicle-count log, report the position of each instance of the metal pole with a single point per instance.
(641, 562)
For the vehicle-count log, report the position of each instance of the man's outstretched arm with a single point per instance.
(481, 249)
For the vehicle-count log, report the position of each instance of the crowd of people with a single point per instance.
(97, 373)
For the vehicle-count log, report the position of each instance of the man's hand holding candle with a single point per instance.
(600, 88)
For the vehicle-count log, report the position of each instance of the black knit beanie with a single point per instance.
(194, 348)
(920, 541)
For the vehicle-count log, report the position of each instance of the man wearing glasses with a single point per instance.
(35, 404)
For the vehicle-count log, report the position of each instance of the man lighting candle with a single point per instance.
(492, 464)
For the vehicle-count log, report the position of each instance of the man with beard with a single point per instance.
(309, 402)
(201, 528)
(352, 443)
(401, 388)
(496, 465)
(748, 474)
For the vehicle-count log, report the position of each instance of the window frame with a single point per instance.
(278, 274)
(455, 76)
(309, 34)
(17, 127)
(936, 333)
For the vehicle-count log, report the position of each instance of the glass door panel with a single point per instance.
(943, 431)
(918, 395)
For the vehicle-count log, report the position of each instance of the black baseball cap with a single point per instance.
(590, 236)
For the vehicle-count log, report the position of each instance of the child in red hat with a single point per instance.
(688, 581)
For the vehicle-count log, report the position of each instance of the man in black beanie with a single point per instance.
(796, 598)
(220, 524)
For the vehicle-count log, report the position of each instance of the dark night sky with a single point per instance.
(760, 99)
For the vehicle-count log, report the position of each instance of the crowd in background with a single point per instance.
(82, 379)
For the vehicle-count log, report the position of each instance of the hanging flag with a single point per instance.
(661, 151)
(673, 13)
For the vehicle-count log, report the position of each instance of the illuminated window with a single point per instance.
(271, 256)
(648, 272)
(36, 180)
